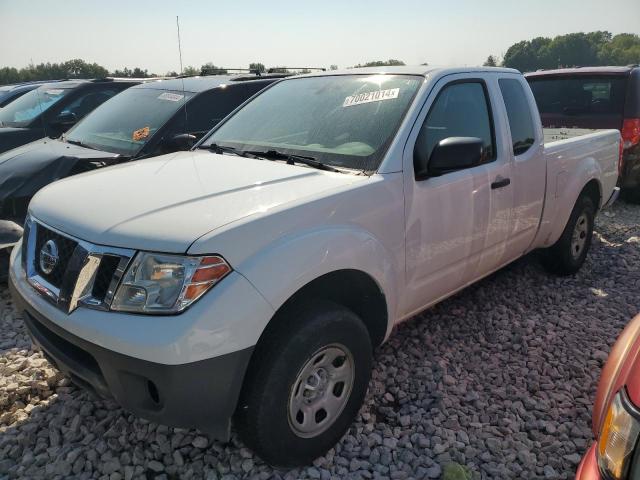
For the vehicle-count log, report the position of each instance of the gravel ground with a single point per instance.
(499, 378)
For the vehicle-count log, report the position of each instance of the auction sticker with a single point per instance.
(172, 97)
(140, 134)
(56, 91)
(368, 97)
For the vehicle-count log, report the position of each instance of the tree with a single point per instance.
(574, 49)
(257, 67)
(190, 71)
(210, 69)
(490, 61)
(333, 67)
(381, 63)
(137, 72)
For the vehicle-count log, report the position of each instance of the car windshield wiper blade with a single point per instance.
(292, 159)
(215, 148)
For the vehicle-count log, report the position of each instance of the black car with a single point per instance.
(595, 97)
(52, 108)
(8, 93)
(144, 121)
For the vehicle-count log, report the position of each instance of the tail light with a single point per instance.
(631, 132)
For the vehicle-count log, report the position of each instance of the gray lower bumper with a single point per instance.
(199, 395)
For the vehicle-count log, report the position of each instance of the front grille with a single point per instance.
(82, 273)
(66, 247)
(104, 276)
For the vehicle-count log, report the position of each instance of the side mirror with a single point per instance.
(182, 141)
(453, 153)
(64, 120)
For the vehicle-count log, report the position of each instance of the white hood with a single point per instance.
(165, 203)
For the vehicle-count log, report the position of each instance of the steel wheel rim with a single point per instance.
(321, 390)
(579, 236)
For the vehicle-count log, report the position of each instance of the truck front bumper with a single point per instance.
(200, 392)
(199, 395)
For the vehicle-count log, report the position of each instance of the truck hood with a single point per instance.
(165, 203)
(27, 169)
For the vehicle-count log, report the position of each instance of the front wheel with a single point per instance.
(305, 385)
(568, 254)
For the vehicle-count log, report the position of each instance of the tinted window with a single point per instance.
(519, 115)
(461, 110)
(342, 120)
(207, 109)
(579, 95)
(88, 101)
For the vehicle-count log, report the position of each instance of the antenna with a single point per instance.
(184, 96)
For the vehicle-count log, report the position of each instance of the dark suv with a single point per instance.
(598, 98)
(53, 108)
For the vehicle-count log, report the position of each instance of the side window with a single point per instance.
(88, 101)
(206, 110)
(519, 114)
(460, 110)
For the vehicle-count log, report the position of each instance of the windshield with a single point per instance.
(343, 121)
(23, 110)
(127, 122)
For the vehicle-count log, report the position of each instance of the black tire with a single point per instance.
(4, 265)
(262, 418)
(562, 258)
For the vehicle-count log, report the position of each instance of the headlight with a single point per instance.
(160, 283)
(618, 438)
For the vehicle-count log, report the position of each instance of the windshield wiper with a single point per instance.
(215, 148)
(292, 159)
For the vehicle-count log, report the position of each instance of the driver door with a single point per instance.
(457, 222)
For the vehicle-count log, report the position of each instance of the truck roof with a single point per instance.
(582, 71)
(422, 70)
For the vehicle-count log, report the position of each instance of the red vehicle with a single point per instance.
(595, 98)
(616, 414)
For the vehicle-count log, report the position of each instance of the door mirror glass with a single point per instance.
(450, 154)
(64, 120)
(181, 141)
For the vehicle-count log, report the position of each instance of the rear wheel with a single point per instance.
(568, 254)
(305, 385)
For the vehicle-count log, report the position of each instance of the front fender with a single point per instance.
(285, 266)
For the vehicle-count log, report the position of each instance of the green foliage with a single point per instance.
(574, 49)
(381, 63)
(210, 69)
(257, 66)
(190, 71)
(490, 61)
(53, 71)
(137, 72)
(455, 471)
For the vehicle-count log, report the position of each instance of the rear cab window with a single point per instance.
(519, 115)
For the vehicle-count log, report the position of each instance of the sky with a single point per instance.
(142, 33)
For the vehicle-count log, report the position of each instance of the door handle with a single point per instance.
(500, 183)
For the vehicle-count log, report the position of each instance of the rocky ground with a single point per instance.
(499, 379)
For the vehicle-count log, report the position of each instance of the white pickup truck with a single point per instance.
(252, 277)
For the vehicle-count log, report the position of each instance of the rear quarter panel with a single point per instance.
(571, 164)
